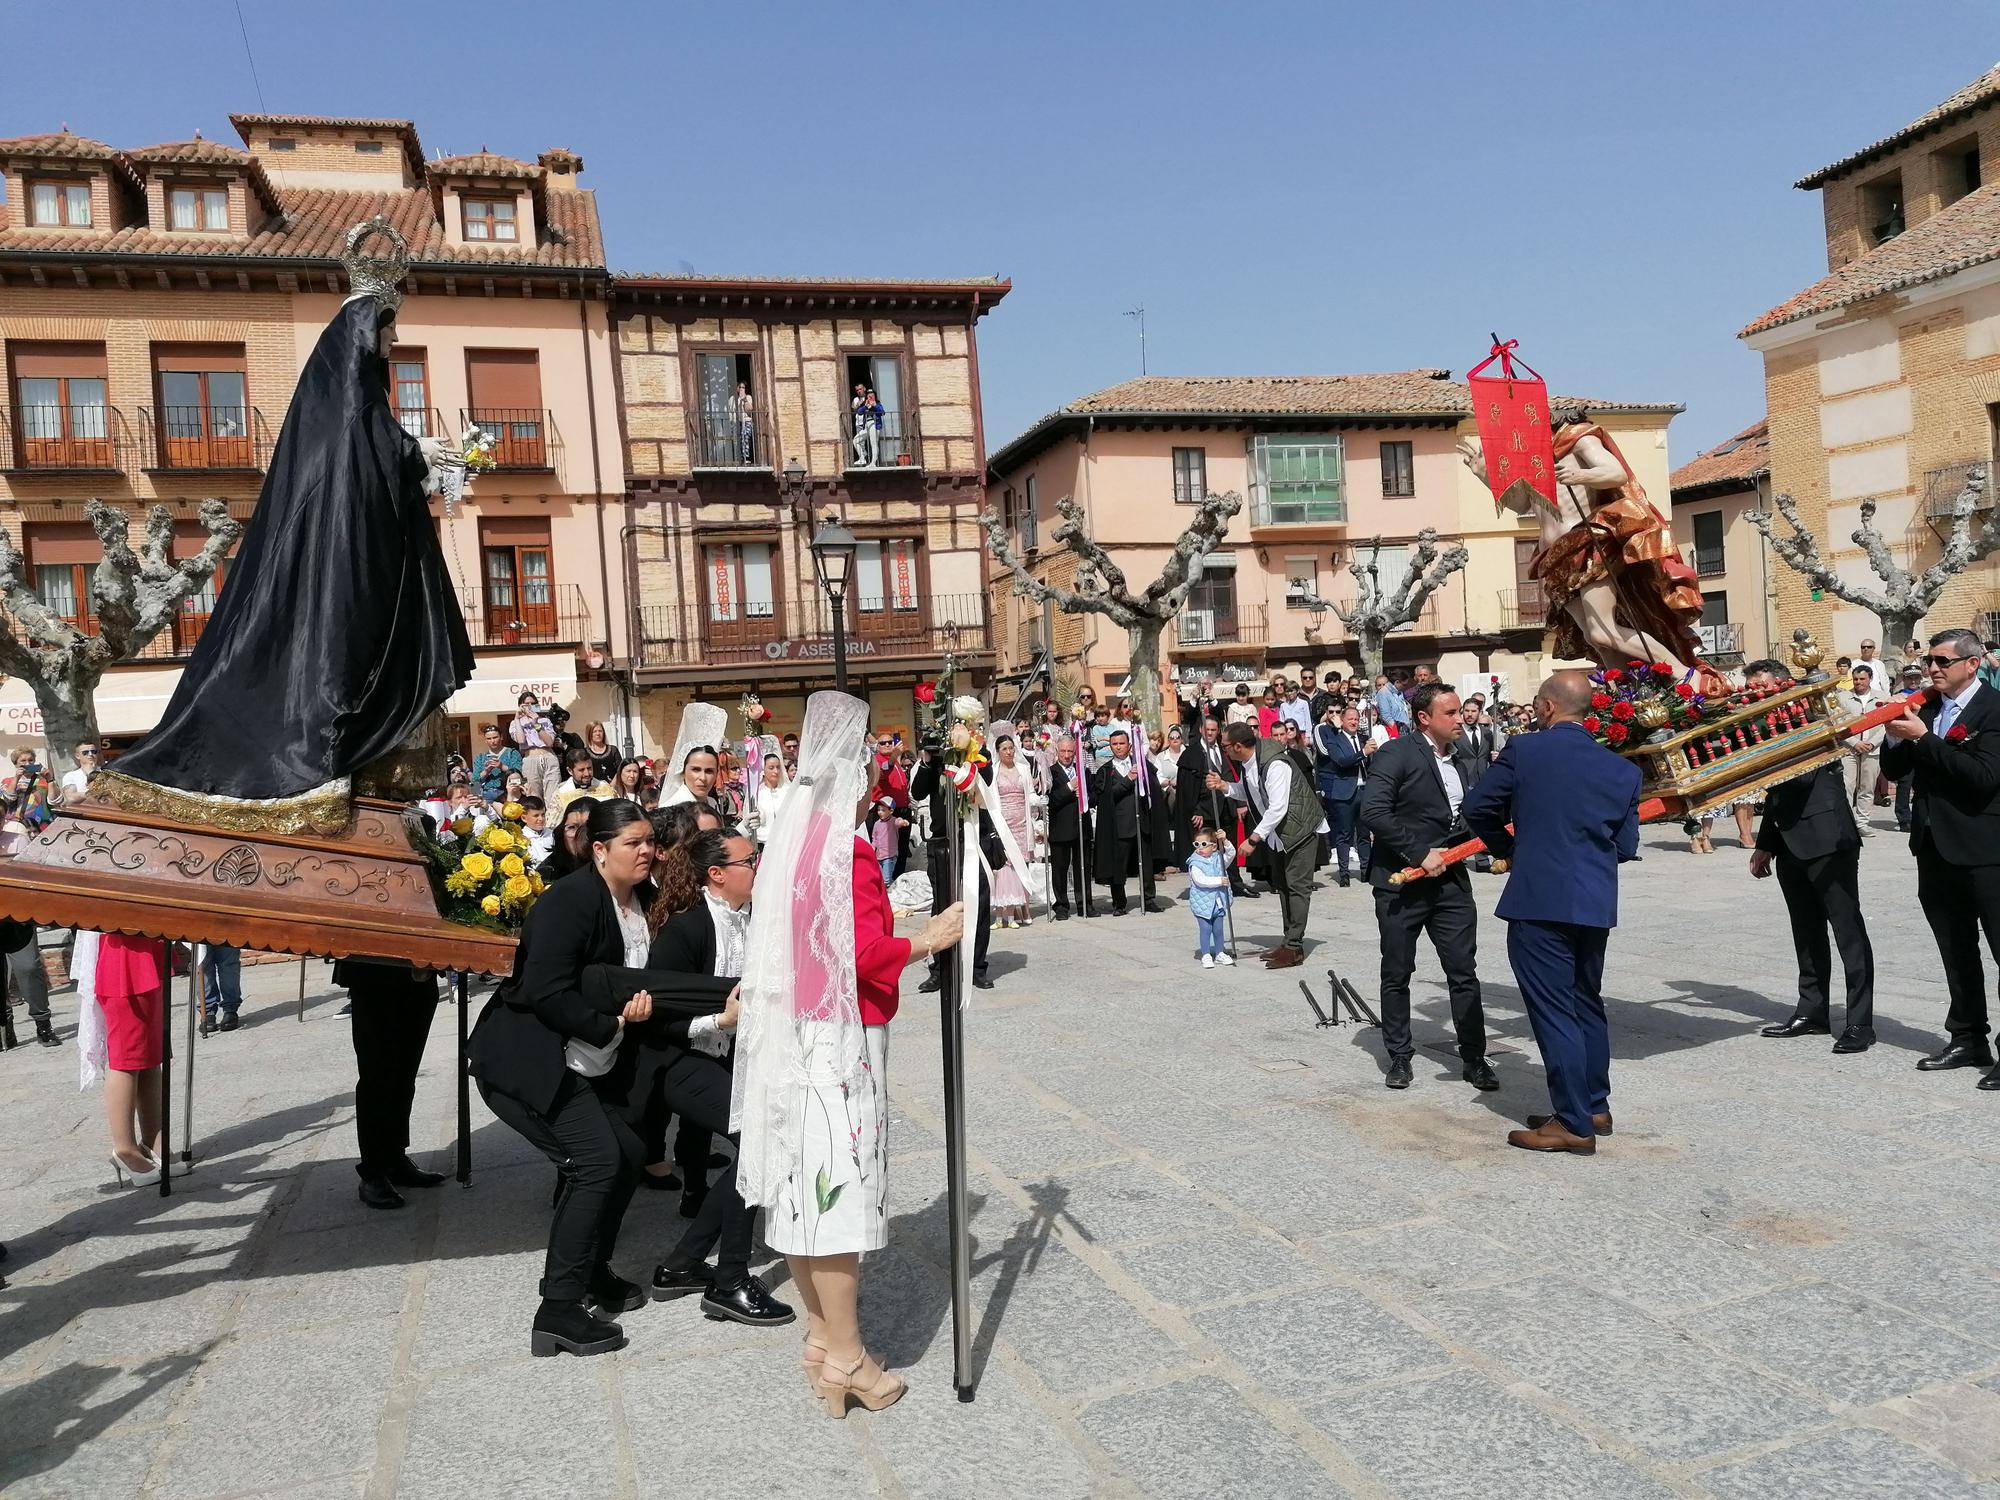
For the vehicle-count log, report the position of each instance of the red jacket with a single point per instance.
(895, 781)
(879, 955)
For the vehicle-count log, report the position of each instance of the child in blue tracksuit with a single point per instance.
(1208, 893)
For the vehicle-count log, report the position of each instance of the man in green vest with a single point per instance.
(1285, 818)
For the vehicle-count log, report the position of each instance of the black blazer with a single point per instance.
(1808, 817)
(680, 968)
(1405, 810)
(1063, 827)
(517, 1047)
(1115, 800)
(1955, 811)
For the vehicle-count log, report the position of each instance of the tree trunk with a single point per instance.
(1374, 646)
(69, 714)
(1896, 629)
(1144, 640)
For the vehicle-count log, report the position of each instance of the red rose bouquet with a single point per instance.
(1641, 701)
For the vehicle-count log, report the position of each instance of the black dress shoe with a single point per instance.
(410, 1175)
(1342, 877)
(1851, 1040)
(1247, 894)
(229, 1022)
(611, 1294)
(1991, 1082)
(1481, 1076)
(669, 1283)
(1060, 914)
(1119, 911)
(1957, 1055)
(377, 1192)
(692, 1200)
(1156, 906)
(981, 982)
(572, 1326)
(45, 1032)
(930, 986)
(1797, 1026)
(659, 1182)
(1398, 1076)
(745, 1302)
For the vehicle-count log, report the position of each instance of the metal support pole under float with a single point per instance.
(951, 1003)
(464, 1083)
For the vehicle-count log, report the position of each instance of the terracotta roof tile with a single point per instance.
(405, 130)
(1743, 458)
(58, 144)
(1965, 233)
(485, 164)
(1973, 96)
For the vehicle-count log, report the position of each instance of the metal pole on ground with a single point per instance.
(1229, 911)
(951, 1000)
(197, 1003)
(166, 1069)
(463, 987)
(302, 987)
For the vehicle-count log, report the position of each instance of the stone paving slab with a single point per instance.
(1213, 1256)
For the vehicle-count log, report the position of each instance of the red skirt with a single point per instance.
(131, 991)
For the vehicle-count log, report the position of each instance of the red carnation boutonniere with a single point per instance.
(1956, 735)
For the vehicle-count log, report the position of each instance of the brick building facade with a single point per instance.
(158, 303)
(1882, 380)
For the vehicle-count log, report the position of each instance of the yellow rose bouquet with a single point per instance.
(482, 872)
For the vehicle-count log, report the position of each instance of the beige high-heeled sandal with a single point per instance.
(839, 1388)
(813, 1359)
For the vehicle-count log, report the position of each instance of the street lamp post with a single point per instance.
(833, 547)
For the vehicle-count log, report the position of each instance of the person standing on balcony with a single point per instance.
(867, 427)
(535, 734)
(744, 410)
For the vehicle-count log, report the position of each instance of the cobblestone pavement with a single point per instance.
(1214, 1256)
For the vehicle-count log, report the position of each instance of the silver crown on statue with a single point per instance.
(379, 276)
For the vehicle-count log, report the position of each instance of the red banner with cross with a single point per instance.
(1512, 413)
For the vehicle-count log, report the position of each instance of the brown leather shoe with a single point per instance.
(1600, 1123)
(1552, 1137)
(1284, 958)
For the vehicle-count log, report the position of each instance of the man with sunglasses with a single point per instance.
(76, 783)
(1950, 748)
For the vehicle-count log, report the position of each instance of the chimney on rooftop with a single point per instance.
(563, 167)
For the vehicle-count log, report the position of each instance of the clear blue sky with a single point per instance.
(1288, 188)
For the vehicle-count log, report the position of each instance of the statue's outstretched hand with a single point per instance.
(1475, 460)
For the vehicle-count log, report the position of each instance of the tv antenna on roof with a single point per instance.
(1139, 312)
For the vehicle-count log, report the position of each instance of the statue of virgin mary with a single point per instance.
(336, 634)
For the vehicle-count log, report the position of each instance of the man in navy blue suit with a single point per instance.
(1575, 809)
(1342, 768)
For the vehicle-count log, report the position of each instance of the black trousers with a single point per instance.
(1822, 893)
(937, 864)
(1065, 864)
(695, 1086)
(597, 1155)
(692, 1146)
(392, 1011)
(1961, 901)
(1444, 909)
(1122, 864)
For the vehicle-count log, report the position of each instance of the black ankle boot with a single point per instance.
(569, 1325)
(45, 1032)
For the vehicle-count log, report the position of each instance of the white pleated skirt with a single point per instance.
(835, 1197)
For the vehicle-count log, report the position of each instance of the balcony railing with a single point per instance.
(1943, 485)
(895, 444)
(524, 437)
(213, 439)
(1720, 640)
(723, 439)
(55, 439)
(1522, 607)
(424, 422)
(526, 613)
(801, 631)
(1708, 562)
(1245, 625)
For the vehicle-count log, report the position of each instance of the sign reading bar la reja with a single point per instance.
(815, 650)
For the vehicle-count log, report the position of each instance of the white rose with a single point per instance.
(961, 737)
(969, 709)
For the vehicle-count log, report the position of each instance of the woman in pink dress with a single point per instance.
(130, 984)
(1014, 789)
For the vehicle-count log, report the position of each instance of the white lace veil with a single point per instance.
(703, 726)
(801, 1017)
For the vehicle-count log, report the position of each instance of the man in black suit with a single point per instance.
(1951, 750)
(1410, 808)
(681, 1065)
(391, 1006)
(1202, 759)
(928, 784)
(1204, 705)
(1341, 774)
(1809, 837)
(1065, 828)
(1114, 794)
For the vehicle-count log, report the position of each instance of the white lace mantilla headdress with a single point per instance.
(801, 1014)
(704, 726)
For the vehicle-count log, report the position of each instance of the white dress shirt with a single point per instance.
(1447, 769)
(1297, 711)
(1268, 791)
(705, 1033)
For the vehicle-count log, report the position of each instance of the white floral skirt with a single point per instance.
(835, 1197)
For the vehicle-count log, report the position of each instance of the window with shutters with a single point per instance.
(204, 406)
(506, 390)
(739, 585)
(886, 586)
(518, 567)
(1399, 468)
(61, 418)
(1708, 550)
(61, 556)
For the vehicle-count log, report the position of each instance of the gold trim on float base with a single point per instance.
(324, 810)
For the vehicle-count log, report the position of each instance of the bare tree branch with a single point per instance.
(1374, 614)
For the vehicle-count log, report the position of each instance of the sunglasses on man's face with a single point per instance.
(1942, 662)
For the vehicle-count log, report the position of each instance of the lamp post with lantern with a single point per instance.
(833, 547)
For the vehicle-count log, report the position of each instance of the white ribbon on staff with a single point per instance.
(972, 859)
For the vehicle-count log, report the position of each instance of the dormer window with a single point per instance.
(490, 219)
(198, 208)
(55, 202)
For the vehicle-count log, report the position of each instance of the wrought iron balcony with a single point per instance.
(1522, 607)
(1942, 487)
(424, 422)
(75, 439)
(1245, 625)
(1708, 562)
(895, 444)
(723, 439)
(206, 439)
(800, 631)
(526, 613)
(524, 437)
